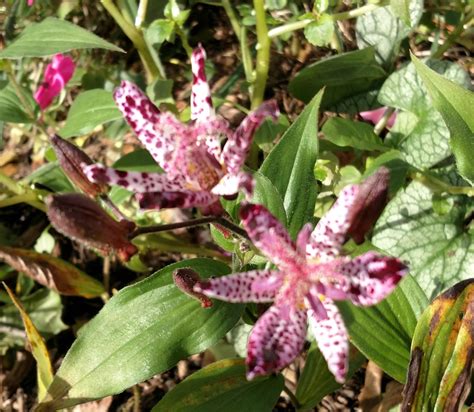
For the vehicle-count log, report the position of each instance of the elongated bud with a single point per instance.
(70, 157)
(80, 218)
(372, 196)
(185, 279)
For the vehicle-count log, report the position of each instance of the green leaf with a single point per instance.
(455, 105)
(138, 161)
(359, 135)
(383, 332)
(343, 76)
(51, 176)
(37, 345)
(276, 4)
(161, 91)
(53, 36)
(437, 248)
(222, 386)
(401, 9)
(319, 33)
(143, 330)
(290, 166)
(44, 308)
(419, 132)
(265, 193)
(90, 109)
(382, 30)
(316, 381)
(159, 31)
(11, 109)
(439, 377)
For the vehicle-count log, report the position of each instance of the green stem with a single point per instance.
(30, 198)
(141, 13)
(346, 15)
(437, 185)
(234, 21)
(263, 54)
(383, 120)
(10, 184)
(292, 397)
(289, 27)
(184, 40)
(453, 36)
(246, 56)
(136, 36)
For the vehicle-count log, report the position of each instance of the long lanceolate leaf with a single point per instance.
(290, 166)
(142, 331)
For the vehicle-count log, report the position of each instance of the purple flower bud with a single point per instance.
(372, 196)
(70, 157)
(80, 218)
(185, 279)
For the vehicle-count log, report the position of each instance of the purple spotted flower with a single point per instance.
(197, 170)
(312, 274)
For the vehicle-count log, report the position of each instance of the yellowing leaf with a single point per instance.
(54, 273)
(38, 348)
(439, 375)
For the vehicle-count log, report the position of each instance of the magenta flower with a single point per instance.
(312, 274)
(31, 2)
(373, 116)
(56, 76)
(197, 170)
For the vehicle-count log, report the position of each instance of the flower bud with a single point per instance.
(80, 218)
(70, 157)
(372, 196)
(185, 279)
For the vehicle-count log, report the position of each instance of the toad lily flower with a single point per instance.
(197, 171)
(312, 274)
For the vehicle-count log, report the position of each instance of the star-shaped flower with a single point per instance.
(312, 274)
(197, 170)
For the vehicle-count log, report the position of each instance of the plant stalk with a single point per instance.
(346, 15)
(263, 54)
(136, 36)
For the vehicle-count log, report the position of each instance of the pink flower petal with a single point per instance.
(373, 116)
(161, 133)
(201, 103)
(275, 341)
(210, 132)
(253, 286)
(371, 277)
(56, 76)
(138, 182)
(230, 185)
(183, 199)
(31, 2)
(329, 234)
(304, 237)
(331, 337)
(269, 235)
(237, 146)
